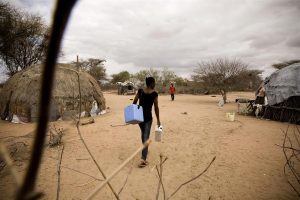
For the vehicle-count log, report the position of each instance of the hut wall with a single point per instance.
(20, 94)
(287, 111)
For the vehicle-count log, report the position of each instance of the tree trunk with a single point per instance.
(224, 95)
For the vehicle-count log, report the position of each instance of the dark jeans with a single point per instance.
(145, 134)
(172, 97)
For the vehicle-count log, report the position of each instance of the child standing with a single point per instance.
(172, 91)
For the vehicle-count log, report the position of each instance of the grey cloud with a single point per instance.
(177, 34)
(294, 41)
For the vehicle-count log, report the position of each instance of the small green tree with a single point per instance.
(120, 77)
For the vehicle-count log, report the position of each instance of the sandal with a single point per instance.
(143, 163)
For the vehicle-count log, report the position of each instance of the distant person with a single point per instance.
(172, 91)
(147, 97)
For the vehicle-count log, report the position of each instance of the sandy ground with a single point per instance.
(248, 164)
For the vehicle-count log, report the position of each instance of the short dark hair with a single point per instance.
(149, 81)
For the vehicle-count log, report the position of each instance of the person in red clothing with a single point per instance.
(172, 91)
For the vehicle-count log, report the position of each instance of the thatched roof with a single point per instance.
(22, 91)
(283, 84)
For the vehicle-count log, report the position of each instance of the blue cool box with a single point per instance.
(133, 114)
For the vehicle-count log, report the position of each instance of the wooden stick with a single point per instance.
(116, 125)
(82, 158)
(92, 195)
(9, 163)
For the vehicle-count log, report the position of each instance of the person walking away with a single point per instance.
(147, 97)
(172, 91)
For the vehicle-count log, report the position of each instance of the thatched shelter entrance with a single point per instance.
(20, 94)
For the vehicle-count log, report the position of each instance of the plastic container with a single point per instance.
(230, 116)
(158, 133)
(133, 114)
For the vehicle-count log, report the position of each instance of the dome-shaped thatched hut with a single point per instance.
(20, 94)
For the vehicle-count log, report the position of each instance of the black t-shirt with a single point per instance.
(146, 101)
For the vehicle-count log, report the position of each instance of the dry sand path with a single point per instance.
(248, 164)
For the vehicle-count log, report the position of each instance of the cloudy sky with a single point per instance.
(136, 34)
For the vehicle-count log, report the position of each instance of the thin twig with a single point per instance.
(192, 178)
(9, 164)
(291, 148)
(129, 172)
(284, 171)
(86, 183)
(160, 183)
(288, 159)
(288, 162)
(58, 170)
(161, 178)
(93, 177)
(159, 172)
(82, 158)
(116, 125)
(166, 158)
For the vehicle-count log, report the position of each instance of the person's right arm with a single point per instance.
(156, 109)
